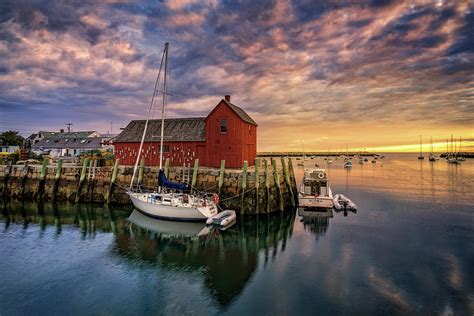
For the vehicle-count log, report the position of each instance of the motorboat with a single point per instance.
(222, 219)
(348, 164)
(361, 161)
(315, 191)
(342, 202)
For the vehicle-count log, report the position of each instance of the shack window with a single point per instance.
(223, 125)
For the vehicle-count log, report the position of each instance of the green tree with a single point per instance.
(11, 138)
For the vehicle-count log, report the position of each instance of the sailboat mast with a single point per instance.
(163, 108)
(146, 123)
(421, 150)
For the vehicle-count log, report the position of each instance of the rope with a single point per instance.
(233, 197)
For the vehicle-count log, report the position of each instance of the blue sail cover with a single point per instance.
(164, 182)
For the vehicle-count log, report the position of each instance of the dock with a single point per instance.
(267, 187)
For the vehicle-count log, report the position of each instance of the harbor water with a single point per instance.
(407, 250)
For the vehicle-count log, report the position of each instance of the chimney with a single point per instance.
(61, 130)
(227, 97)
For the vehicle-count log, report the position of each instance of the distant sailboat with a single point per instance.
(432, 157)
(451, 157)
(421, 150)
(460, 156)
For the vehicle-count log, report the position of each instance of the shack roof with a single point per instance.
(176, 130)
(238, 111)
(70, 143)
(241, 113)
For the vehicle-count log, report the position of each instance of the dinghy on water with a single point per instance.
(222, 219)
(342, 202)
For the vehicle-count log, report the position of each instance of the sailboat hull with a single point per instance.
(169, 212)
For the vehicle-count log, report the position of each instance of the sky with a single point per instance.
(314, 74)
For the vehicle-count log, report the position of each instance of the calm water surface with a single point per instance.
(408, 250)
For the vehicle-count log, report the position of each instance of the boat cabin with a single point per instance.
(315, 183)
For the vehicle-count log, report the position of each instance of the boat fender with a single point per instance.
(216, 199)
(321, 175)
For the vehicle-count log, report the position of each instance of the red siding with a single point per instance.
(179, 153)
(235, 146)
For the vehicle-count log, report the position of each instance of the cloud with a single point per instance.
(290, 64)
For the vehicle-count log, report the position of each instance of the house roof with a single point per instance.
(31, 137)
(176, 130)
(57, 135)
(240, 113)
(70, 143)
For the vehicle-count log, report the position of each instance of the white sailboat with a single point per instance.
(170, 201)
(432, 157)
(421, 150)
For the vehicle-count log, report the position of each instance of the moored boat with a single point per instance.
(342, 202)
(171, 200)
(222, 219)
(315, 191)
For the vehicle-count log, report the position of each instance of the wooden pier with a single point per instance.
(266, 187)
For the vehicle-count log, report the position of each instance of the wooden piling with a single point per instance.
(57, 178)
(267, 186)
(44, 171)
(141, 170)
(221, 176)
(293, 179)
(277, 184)
(257, 185)
(85, 164)
(91, 182)
(8, 170)
(112, 181)
(286, 177)
(167, 168)
(24, 177)
(244, 187)
(195, 173)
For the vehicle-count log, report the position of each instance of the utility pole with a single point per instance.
(68, 127)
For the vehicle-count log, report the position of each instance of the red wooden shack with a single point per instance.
(227, 133)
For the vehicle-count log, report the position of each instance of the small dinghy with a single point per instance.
(342, 202)
(222, 219)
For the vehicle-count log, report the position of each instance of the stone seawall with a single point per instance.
(247, 191)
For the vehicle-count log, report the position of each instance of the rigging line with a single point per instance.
(148, 118)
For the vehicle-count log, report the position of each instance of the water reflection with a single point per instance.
(223, 261)
(167, 228)
(87, 217)
(315, 221)
(226, 259)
